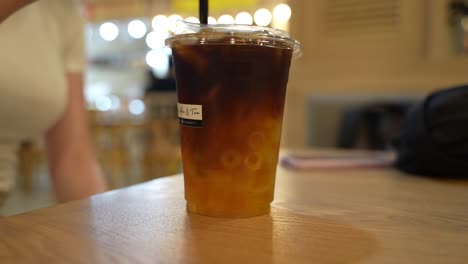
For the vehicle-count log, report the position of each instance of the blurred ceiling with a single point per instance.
(98, 10)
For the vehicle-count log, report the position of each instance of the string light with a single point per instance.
(136, 29)
(262, 17)
(192, 20)
(211, 20)
(244, 18)
(282, 13)
(226, 19)
(159, 22)
(158, 61)
(172, 22)
(155, 39)
(109, 31)
(136, 107)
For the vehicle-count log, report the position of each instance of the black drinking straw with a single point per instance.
(203, 11)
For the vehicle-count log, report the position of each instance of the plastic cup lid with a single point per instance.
(187, 33)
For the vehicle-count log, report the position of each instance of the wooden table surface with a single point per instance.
(322, 216)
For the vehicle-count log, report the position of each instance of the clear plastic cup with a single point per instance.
(231, 86)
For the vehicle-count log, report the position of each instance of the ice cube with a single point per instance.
(256, 140)
(230, 159)
(253, 161)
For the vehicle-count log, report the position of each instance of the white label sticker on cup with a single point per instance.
(190, 115)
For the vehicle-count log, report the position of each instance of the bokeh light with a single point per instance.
(192, 19)
(244, 18)
(156, 39)
(158, 60)
(226, 19)
(103, 103)
(172, 22)
(211, 20)
(159, 22)
(262, 17)
(115, 102)
(282, 13)
(137, 29)
(109, 31)
(136, 107)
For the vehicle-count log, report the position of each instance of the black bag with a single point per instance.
(433, 140)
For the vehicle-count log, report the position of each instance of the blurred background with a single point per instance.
(364, 63)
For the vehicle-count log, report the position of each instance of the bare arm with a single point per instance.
(74, 171)
(8, 7)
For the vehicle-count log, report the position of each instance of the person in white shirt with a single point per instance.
(41, 94)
